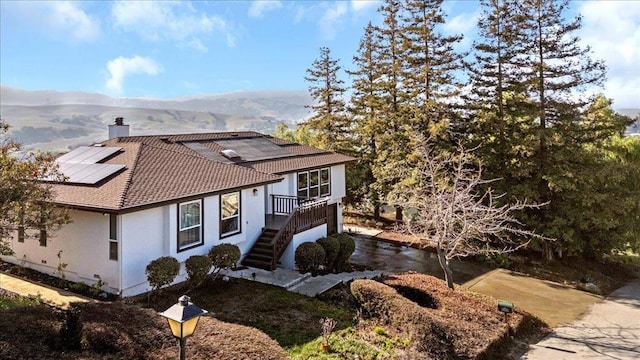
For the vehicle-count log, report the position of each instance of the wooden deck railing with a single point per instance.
(302, 218)
(285, 204)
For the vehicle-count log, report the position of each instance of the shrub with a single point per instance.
(309, 256)
(224, 256)
(162, 271)
(331, 248)
(198, 267)
(347, 247)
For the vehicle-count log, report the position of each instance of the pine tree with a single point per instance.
(431, 65)
(500, 111)
(329, 123)
(393, 130)
(365, 108)
(557, 72)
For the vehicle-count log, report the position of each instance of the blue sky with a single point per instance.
(171, 49)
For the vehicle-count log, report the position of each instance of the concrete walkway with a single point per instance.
(609, 330)
(47, 294)
(304, 284)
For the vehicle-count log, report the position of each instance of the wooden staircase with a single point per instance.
(271, 244)
(261, 254)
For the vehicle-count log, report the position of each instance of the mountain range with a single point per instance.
(59, 121)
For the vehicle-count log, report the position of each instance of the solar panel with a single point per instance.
(88, 154)
(253, 149)
(205, 151)
(82, 165)
(102, 172)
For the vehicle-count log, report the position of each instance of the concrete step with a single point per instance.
(257, 264)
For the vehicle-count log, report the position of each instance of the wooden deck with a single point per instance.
(274, 222)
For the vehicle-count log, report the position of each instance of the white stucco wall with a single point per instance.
(287, 260)
(152, 233)
(85, 249)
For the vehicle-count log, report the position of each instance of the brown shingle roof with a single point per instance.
(162, 169)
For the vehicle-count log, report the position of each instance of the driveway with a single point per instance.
(551, 302)
(608, 330)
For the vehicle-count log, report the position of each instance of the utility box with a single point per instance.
(505, 307)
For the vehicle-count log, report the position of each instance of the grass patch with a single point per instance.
(290, 319)
(10, 301)
(344, 344)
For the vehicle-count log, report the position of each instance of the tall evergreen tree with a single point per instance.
(558, 70)
(431, 65)
(365, 108)
(329, 123)
(393, 136)
(500, 111)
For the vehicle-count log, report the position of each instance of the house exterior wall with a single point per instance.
(153, 233)
(287, 260)
(85, 249)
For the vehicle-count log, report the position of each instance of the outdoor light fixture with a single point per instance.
(183, 318)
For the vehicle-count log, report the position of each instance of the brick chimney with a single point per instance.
(118, 129)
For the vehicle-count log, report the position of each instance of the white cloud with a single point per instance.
(121, 67)
(330, 20)
(363, 5)
(464, 24)
(170, 21)
(67, 17)
(61, 19)
(612, 29)
(259, 7)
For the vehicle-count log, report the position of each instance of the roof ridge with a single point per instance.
(127, 185)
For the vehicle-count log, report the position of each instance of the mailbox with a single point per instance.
(505, 307)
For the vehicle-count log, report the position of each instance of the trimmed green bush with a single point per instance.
(347, 247)
(309, 256)
(331, 248)
(162, 271)
(224, 256)
(198, 267)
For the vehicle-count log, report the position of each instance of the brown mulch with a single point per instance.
(443, 322)
(117, 331)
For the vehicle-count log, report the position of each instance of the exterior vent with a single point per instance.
(230, 154)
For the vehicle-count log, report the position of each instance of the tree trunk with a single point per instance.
(547, 252)
(444, 264)
(398, 213)
(376, 211)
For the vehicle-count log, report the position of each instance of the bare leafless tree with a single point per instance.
(452, 208)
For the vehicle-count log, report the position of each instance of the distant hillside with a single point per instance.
(634, 114)
(58, 121)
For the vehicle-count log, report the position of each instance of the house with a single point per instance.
(134, 199)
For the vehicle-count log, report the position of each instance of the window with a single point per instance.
(314, 183)
(229, 214)
(190, 227)
(113, 237)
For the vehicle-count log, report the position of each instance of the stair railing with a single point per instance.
(302, 218)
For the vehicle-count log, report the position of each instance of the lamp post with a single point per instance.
(183, 318)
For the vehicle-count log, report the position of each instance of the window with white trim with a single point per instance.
(229, 214)
(190, 225)
(113, 237)
(314, 183)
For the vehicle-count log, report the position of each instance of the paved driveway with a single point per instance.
(608, 330)
(551, 302)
